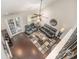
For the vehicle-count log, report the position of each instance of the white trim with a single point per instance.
(60, 45)
(10, 54)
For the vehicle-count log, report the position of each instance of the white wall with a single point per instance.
(64, 11)
(4, 19)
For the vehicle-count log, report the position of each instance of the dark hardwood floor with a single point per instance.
(23, 48)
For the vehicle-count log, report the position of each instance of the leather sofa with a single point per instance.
(49, 31)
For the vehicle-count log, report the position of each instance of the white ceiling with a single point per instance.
(14, 6)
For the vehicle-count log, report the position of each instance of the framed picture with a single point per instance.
(53, 22)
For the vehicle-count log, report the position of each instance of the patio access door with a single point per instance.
(14, 25)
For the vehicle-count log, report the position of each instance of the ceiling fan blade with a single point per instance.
(38, 14)
(34, 16)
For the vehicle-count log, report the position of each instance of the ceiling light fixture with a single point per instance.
(39, 15)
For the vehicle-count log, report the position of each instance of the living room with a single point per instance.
(39, 25)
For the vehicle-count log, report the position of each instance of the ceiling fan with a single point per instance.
(39, 14)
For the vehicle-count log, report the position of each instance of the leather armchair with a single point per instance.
(29, 29)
